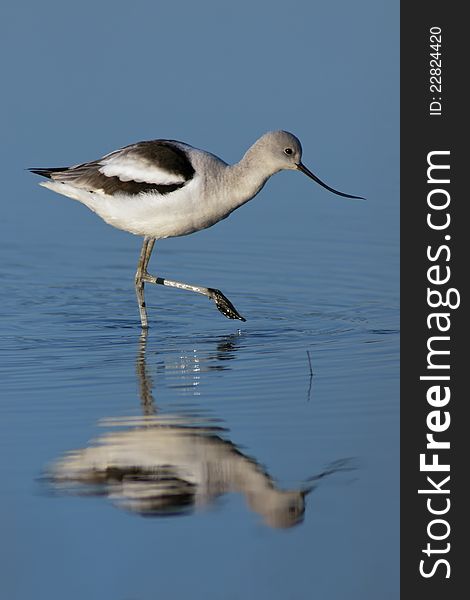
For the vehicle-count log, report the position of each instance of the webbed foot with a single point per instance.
(224, 305)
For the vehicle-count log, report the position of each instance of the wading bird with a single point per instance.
(164, 188)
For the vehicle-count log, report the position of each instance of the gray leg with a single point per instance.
(222, 302)
(144, 258)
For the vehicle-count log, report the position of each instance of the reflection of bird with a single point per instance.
(164, 188)
(167, 465)
(162, 465)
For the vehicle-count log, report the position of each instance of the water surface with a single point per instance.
(208, 458)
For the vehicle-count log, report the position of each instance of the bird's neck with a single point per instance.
(246, 178)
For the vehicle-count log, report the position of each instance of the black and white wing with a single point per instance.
(158, 165)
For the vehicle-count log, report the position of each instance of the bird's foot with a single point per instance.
(224, 305)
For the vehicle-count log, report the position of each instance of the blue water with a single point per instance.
(320, 296)
(213, 459)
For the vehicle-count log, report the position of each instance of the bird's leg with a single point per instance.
(142, 276)
(222, 302)
(144, 258)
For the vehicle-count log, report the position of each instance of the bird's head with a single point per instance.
(282, 150)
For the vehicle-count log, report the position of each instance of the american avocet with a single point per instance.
(165, 188)
(162, 466)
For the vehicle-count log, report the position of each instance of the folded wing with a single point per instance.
(158, 165)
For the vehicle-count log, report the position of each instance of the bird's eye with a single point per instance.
(288, 151)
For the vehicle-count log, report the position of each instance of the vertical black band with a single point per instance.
(434, 275)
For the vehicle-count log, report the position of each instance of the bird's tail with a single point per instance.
(48, 172)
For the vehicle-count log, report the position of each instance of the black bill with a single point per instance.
(304, 169)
